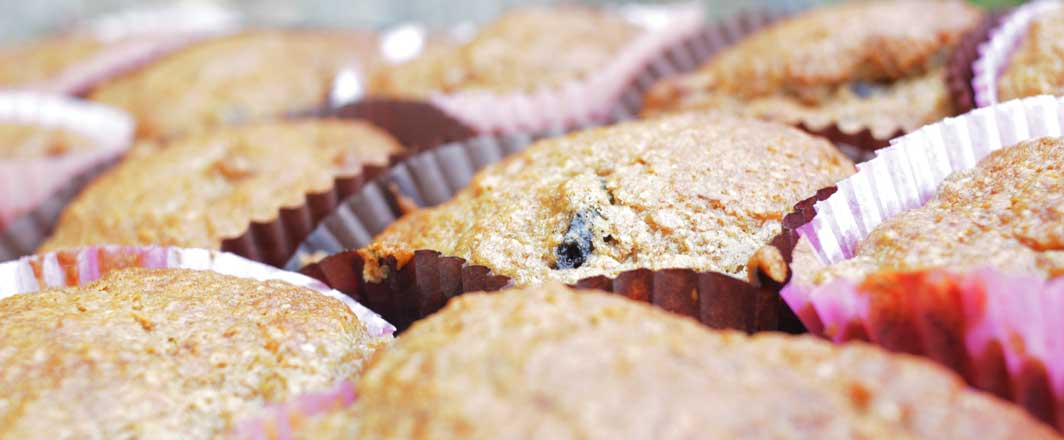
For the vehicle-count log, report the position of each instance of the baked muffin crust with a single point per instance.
(547, 362)
(44, 59)
(26, 141)
(250, 76)
(700, 191)
(167, 353)
(1007, 212)
(202, 188)
(521, 51)
(875, 64)
(1036, 66)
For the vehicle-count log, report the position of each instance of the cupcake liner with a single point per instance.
(83, 265)
(959, 73)
(277, 421)
(35, 190)
(985, 324)
(676, 41)
(994, 53)
(136, 37)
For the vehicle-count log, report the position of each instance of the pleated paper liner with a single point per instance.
(995, 51)
(676, 41)
(278, 422)
(34, 190)
(83, 265)
(999, 331)
(959, 71)
(134, 38)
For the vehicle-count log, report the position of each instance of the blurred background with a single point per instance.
(24, 19)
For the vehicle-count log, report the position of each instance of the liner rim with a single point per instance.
(995, 52)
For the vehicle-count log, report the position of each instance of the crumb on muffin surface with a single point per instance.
(691, 191)
(1006, 212)
(167, 352)
(201, 188)
(548, 362)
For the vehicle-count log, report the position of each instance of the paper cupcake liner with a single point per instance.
(995, 52)
(136, 37)
(277, 422)
(675, 42)
(83, 265)
(959, 73)
(34, 190)
(985, 324)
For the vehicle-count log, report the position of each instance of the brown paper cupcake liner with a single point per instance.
(431, 123)
(959, 71)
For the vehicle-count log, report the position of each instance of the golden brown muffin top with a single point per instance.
(548, 362)
(167, 353)
(1007, 212)
(1036, 66)
(875, 64)
(699, 191)
(524, 50)
(44, 59)
(29, 141)
(244, 77)
(202, 188)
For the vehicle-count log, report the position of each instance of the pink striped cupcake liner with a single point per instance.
(83, 265)
(136, 37)
(994, 53)
(278, 422)
(34, 190)
(1000, 331)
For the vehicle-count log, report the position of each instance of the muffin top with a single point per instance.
(239, 78)
(1007, 212)
(699, 191)
(197, 190)
(1036, 66)
(871, 64)
(44, 59)
(548, 362)
(29, 141)
(167, 353)
(524, 50)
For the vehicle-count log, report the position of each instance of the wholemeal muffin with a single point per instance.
(32, 141)
(875, 65)
(44, 59)
(1007, 212)
(167, 353)
(522, 51)
(696, 191)
(199, 189)
(1036, 67)
(239, 78)
(548, 362)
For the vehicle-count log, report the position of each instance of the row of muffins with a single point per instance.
(594, 203)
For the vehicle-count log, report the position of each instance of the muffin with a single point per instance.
(1036, 67)
(21, 65)
(249, 76)
(524, 50)
(1007, 212)
(856, 65)
(196, 190)
(548, 362)
(29, 141)
(156, 353)
(633, 195)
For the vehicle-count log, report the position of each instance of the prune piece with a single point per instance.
(866, 89)
(577, 243)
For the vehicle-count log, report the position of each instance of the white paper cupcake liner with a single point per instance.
(34, 190)
(79, 266)
(997, 50)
